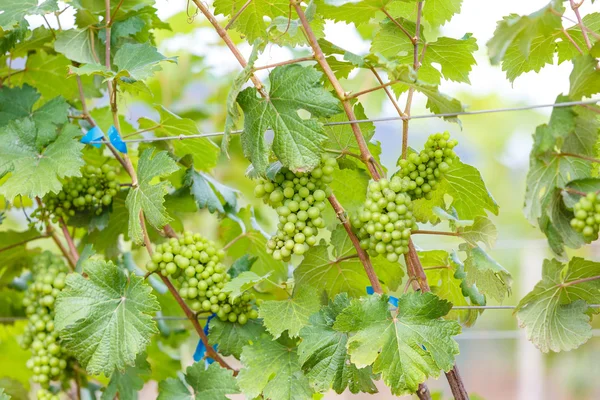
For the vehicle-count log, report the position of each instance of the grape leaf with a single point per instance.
(251, 21)
(126, 384)
(106, 241)
(271, 367)
(357, 12)
(242, 283)
(447, 280)
(407, 347)
(566, 49)
(139, 60)
(35, 166)
(555, 312)
(14, 11)
(470, 197)
(438, 12)
(291, 314)
(585, 78)
(482, 230)
(455, 56)
(585, 185)
(231, 337)
(204, 152)
(541, 53)
(147, 197)
(323, 354)
(350, 189)
(79, 45)
(11, 350)
(208, 192)
(341, 137)
(212, 383)
(14, 259)
(17, 103)
(297, 141)
(489, 276)
(242, 264)
(520, 31)
(106, 319)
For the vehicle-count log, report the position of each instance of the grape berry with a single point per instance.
(587, 216)
(195, 264)
(49, 360)
(299, 199)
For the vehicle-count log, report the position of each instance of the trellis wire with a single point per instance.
(383, 119)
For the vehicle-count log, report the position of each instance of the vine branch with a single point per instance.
(575, 8)
(278, 64)
(240, 11)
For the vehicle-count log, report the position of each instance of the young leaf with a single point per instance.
(242, 283)
(406, 348)
(555, 312)
(204, 152)
(14, 11)
(585, 78)
(482, 230)
(271, 367)
(438, 12)
(105, 320)
(147, 197)
(297, 142)
(212, 383)
(232, 337)
(489, 276)
(323, 354)
(455, 56)
(36, 166)
(139, 60)
(126, 384)
(291, 314)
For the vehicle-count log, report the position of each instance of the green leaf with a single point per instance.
(35, 168)
(11, 350)
(455, 56)
(438, 12)
(233, 114)
(341, 137)
(126, 384)
(105, 320)
(469, 195)
(407, 347)
(106, 241)
(297, 141)
(212, 383)
(18, 102)
(14, 11)
(357, 12)
(79, 45)
(350, 188)
(208, 192)
(446, 278)
(585, 78)
(242, 264)
(566, 49)
(272, 368)
(15, 259)
(555, 312)
(242, 283)
(482, 230)
(204, 152)
(323, 354)
(586, 185)
(139, 60)
(290, 314)
(520, 31)
(148, 197)
(251, 22)
(489, 276)
(541, 53)
(232, 338)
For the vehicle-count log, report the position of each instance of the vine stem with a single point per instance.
(12, 246)
(425, 232)
(223, 34)
(52, 233)
(389, 94)
(578, 281)
(382, 86)
(279, 64)
(575, 8)
(361, 253)
(68, 238)
(587, 158)
(112, 90)
(320, 57)
(234, 240)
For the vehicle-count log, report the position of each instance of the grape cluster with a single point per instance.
(195, 264)
(587, 216)
(49, 360)
(299, 198)
(386, 220)
(92, 192)
(422, 171)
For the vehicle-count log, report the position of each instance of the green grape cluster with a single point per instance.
(385, 222)
(422, 171)
(587, 216)
(195, 263)
(299, 199)
(49, 360)
(92, 192)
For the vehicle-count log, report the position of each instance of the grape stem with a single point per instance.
(412, 38)
(234, 240)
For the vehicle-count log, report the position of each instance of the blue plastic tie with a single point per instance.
(116, 141)
(201, 348)
(93, 135)
(392, 300)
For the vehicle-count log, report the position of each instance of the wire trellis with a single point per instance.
(383, 119)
